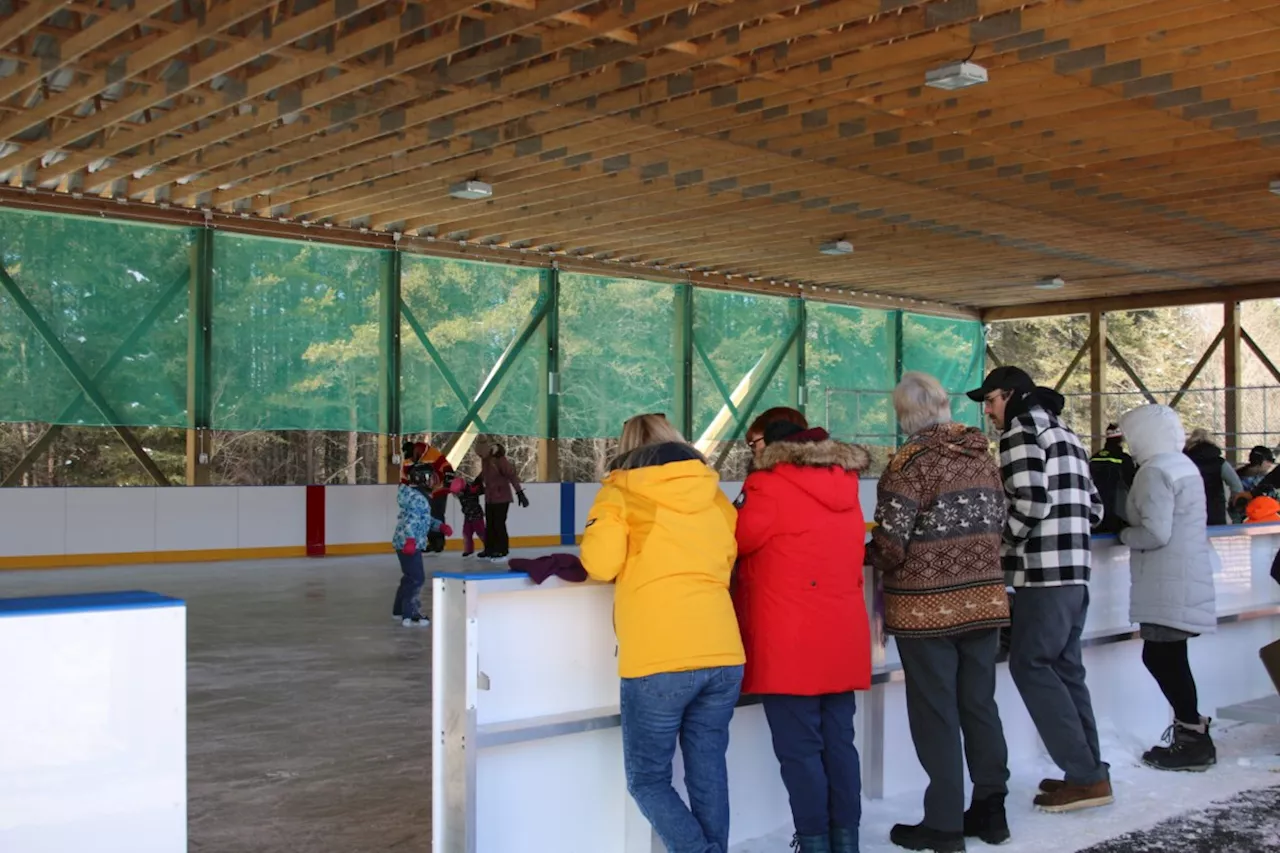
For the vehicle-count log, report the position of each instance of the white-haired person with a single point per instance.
(940, 511)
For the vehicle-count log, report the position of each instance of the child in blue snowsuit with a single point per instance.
(413, 525)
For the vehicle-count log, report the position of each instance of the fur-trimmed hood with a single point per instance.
(825, 470)
(814, 454)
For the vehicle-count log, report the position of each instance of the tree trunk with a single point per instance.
(353, 451)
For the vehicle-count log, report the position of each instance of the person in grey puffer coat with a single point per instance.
(1171, 565)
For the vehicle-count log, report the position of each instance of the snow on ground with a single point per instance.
(1247, 761)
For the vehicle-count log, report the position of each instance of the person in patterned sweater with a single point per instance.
(1046, 555)
(939, 516)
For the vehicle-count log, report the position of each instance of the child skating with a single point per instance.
(468, 494)
(413, 524)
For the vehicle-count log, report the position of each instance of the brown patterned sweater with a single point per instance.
(940, 511)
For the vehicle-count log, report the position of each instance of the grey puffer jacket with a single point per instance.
(1171, 561)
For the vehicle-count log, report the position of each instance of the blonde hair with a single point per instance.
(920, 402)
(1199, 435)
(652, 428)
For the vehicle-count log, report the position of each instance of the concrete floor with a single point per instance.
(308, 708)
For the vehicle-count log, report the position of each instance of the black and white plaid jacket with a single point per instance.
(1052, 501)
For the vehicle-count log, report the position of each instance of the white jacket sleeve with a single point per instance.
(1151, 516)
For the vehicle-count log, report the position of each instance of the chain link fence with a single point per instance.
(865, 416)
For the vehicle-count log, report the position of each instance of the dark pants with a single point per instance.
(412, 577)
(438, 504)
(951, 688)
(813, 739)
(693, 707)
(495, 516)
(1048, 667)
(1168, 664)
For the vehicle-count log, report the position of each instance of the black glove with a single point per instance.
(522, 500)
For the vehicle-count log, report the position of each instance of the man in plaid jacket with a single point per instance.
(1046, 555)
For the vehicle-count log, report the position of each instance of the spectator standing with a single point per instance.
(1052, 504)
(662, 530)
(1171, 563)
(1261, 462)
(1113, 471)
(800, 602)
(939, 516)
(1216, 473)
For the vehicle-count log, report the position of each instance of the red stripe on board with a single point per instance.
(315, 521)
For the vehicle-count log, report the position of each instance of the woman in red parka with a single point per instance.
(800, 604)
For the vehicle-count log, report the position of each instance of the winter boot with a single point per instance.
(844, 840)
(1189, 748)
(811, 843)
(986, 819)
(1070, 798)
(920, 837)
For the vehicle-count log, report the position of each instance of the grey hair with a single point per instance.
(920, 402)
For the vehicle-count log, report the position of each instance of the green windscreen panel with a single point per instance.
(738, 338)
(850, 372)
(617, 354)
(113, 296)
(295, 335)
(469, 320)
(952, 350)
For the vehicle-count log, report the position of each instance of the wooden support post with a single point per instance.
(549, 382)
(389, 370)
(1097, 378)
(199, 357)
(1231, 377)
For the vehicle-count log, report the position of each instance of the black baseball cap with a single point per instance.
(1003, 379)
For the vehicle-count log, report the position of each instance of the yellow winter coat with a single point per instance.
(664, 533)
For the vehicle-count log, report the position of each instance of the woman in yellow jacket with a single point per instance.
(663, 531)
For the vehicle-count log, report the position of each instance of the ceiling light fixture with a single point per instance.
(836, 247)
(471, 190)
(1053, 282)
(956, 75)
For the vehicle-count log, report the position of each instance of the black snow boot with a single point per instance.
(920, 837)
(986, 819)
(811, 843)
(1189, 748)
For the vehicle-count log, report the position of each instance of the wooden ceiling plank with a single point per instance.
(18, 24)
(135, 62)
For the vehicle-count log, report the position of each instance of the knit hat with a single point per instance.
(1114, 431)
(787, 431)
(1262, 508)
(567, 567)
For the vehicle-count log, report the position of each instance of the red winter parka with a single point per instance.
(798, 592)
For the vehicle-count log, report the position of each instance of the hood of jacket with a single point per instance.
(1152, 430)
(828, 470)
(952, 439)
(671, 475)
(1046, 398)
(1263, 509)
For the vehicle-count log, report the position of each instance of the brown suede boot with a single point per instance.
(1070, 798)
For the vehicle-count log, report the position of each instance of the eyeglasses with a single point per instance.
(752, 442)
(990, 399)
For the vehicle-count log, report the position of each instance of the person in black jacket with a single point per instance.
(1217, 473)
(1113, 471)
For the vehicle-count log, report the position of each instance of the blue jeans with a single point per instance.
(694, 707)
(813, 739)
(412, 578)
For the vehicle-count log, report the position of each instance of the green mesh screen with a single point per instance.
(850, 372)
(114, 295)
(617, 353)
(471, 314)
(295, 335)
(952, 350)
(735, 334)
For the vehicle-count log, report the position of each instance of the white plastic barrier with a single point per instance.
(525, 704)
(93, 734)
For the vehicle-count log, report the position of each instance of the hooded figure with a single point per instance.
(1171, 560)
(1171, 567)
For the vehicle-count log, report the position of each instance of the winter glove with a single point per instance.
(410, 546)
(523, 501)
(446, 530)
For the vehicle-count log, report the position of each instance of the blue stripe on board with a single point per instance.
(568, 514)
(86, 602)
